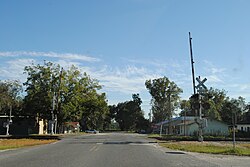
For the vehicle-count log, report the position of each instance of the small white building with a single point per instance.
(244, 127)
(187, 126)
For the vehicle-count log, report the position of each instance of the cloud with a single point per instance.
(244, 87)
(214, 79)
(128, 79)
(13, 69)
(170, 63)
(215, 75)
(65, 56)
(67, 64)
(175, 69)
(217, 70)
(240, 87)
(212, 68)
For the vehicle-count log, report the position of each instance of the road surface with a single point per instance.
(111, 150)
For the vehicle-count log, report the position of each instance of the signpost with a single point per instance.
(201, 89)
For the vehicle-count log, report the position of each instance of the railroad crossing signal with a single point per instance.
(201, 87)
(201, 83)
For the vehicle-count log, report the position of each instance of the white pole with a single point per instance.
(9, 121)
(7, 127)
(10, 113)
(234, 125)
(52, 114)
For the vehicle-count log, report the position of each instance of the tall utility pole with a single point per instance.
(200, 119)
(234, 126)
(57, 98)
(52, 115)
(193, 77)
(171, 90)
(55, 106)
(200, 88)
(192, 61)
(10, 113)
(150, 115)
(185, 115)
(170, 112)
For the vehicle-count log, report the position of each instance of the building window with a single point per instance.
(248, 129)
(241, 128)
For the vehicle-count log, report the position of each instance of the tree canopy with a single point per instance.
(73, 95)
(220, 106)
(129, 114)
(10, 96)
(165, 98)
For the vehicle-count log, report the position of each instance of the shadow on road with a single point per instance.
(174, 152)
(127, 142)
(112, 142)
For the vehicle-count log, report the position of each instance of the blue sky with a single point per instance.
(122, 43)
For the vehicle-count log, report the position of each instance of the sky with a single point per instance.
(123, 43)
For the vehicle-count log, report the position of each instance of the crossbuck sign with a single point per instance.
(201, 87)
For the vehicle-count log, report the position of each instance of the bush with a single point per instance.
(242, 134)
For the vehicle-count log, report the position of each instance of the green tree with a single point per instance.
(109, 118)
(42, 82)
(10, 93)
(215, 98)
(246, 114)
(232, 108)
(75, 95)
(129, 114)
(185, 106)
(212, 103)
(165, 98)
(81, 101)
(94, 112)
(10, 96)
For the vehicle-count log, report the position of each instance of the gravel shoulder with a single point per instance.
(223, 160)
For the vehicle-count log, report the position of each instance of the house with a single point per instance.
(21, 125)
(26, 125)
(71, 127)
(173, 126)
(243, 126)
(187, 126)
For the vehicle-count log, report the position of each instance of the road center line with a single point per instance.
(93, 148)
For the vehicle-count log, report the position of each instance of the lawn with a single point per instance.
(18, 143)
(209, 147)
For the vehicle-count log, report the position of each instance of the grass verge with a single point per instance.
(18, 143)
(153, 135)
(210, 147)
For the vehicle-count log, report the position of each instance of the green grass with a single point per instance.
(172, 137)
(153, 135)
(209, 147)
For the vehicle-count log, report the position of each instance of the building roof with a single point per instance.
(188, 118)
(73, 124)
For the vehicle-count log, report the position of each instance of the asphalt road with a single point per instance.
(111, 150)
